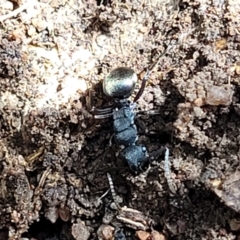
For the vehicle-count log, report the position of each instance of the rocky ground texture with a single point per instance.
(55, 156)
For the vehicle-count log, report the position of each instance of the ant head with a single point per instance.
(120, 83)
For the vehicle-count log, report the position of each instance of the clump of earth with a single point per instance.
(55, 154)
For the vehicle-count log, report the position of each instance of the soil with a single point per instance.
(55, 154)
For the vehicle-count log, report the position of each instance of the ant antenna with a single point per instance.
(147, 74)
(114, 195)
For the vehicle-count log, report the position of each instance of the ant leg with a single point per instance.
(102, 113)
(148, 112)
(110, 140)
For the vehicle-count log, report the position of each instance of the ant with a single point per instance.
(119, 84)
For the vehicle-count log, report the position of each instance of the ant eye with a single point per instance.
(120, 83)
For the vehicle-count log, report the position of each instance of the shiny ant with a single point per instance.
(119, 84)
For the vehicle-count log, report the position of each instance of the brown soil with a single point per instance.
(55, 156)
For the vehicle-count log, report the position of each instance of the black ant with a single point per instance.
(119, 84)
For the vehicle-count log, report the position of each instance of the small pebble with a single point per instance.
(157, 236)
(154, 235)
(234, 224)
(80, 231)
(105, 232)
(219, 95)
(7, 5)
(143, 235)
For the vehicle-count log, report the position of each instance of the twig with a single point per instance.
(15, 12)
(167, 172)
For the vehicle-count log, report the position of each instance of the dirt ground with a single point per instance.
(54, 153)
